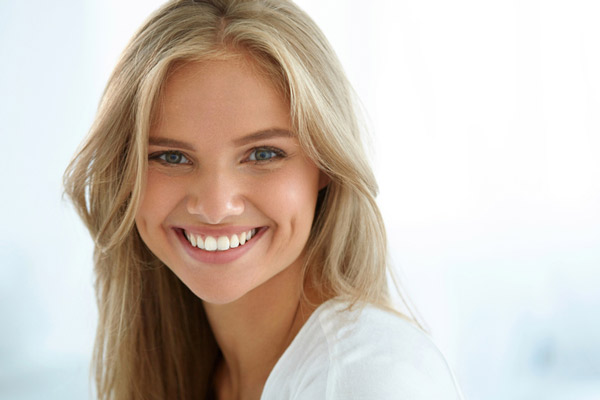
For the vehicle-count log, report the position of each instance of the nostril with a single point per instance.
(213, 207)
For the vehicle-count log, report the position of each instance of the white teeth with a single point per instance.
(210, 243)
(223, 243)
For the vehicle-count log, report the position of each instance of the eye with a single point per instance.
(264, 154)
(170, 157)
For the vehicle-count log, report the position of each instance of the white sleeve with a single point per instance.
(419, 372)
(374, 355)
(388, 359)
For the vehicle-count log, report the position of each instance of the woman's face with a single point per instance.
(229, 197)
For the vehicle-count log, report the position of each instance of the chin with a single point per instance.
(220, 299)
(219, 294)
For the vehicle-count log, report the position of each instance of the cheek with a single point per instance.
(290, 199)
(158, 198)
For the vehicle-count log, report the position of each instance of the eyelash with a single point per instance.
(161, 157)
(275, 153)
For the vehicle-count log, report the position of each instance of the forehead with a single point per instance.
(217, 96)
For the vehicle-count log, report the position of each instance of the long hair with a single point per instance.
(153, 339)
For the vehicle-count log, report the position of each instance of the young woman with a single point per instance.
(239, 251)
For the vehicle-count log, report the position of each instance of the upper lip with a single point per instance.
(223, 231)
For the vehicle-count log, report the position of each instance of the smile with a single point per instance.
(219, 243)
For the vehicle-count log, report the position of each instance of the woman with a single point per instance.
(239, 251)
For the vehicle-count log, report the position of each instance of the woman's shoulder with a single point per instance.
(376, 351)
(344, 324)
(365, 352)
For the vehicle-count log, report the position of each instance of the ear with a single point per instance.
(324, 180)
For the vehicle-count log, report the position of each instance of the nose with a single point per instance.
(215, 197)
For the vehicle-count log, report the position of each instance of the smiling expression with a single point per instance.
(230, 196)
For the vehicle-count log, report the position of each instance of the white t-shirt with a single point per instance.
(360, 354)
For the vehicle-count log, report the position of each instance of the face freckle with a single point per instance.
(224, 165)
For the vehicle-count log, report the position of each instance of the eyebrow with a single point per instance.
(253, 137)
(166, 142)
(262, 135)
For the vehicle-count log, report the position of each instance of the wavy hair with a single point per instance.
(153, 339)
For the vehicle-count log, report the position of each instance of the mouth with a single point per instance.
(220, 243)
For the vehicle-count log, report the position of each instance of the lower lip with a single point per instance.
(218, 257)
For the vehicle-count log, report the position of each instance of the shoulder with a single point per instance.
(378, 354)
(362, 353)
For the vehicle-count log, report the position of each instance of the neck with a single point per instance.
(254, 331)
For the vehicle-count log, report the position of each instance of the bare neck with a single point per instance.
(254, 331)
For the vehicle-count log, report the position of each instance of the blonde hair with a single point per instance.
(153, 339)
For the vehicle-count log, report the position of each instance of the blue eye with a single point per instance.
(263, 154)
(171, 157)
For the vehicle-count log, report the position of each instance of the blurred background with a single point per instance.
(486, 143)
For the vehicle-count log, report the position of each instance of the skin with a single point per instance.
(209, 180)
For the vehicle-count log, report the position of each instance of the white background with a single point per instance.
(486, 124)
